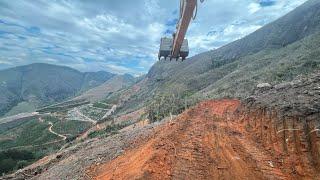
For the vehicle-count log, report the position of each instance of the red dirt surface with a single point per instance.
(201, 143)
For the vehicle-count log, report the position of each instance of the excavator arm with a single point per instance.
(177, 47)
(188, 8)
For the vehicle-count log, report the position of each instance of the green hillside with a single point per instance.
(33, 136)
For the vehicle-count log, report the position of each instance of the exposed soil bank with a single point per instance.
(216, 140)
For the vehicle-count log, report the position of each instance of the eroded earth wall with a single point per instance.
(285, 118)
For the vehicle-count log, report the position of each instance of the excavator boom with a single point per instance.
(186, 16)
(177, 46)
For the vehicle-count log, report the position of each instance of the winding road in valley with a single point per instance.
(51, 131)
(48, 143)
(64, 137)
(55, 133)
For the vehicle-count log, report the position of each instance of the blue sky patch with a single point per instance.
(34, 30)
(265, 3)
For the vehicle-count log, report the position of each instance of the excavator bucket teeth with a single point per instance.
(165, 47)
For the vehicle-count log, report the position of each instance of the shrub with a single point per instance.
(164, 105)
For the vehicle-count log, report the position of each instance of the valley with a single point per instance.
(51, 128)
(46, 129)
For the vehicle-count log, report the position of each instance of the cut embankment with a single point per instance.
(205, 142)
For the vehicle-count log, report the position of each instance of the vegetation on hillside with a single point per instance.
(33, 136)
(22, 107)
(30, 133)
(164, 105)
(71, 128)
(102, 105)
(270, 66)
(12, 160)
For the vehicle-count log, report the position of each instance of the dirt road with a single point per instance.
(199, 144)
(57, 134)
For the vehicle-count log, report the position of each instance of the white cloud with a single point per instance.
(254, 7)
(5, 62)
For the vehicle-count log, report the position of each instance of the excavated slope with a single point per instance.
(209, 141)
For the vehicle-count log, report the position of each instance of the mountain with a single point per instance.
(114, 84)
(39, 84)
(277, 52)
(94, 79)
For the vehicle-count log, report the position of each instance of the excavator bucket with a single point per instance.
(166, 49)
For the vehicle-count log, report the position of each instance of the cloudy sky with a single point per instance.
(120, 36)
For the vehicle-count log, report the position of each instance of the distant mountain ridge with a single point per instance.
(41, 84)
(112, 85)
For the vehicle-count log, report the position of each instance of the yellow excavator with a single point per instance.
(177, 46)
